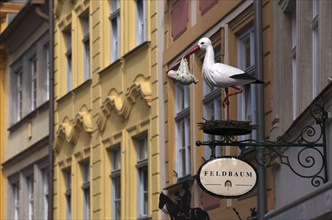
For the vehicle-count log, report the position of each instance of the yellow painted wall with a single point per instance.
(118, 103)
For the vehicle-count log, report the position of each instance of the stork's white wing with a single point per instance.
(219, 75)
(226, 70)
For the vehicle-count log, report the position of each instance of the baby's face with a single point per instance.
(170, 73)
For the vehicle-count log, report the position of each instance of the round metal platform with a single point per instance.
(226, 128)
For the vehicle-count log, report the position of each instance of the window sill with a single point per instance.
(144, 218)
(121, 60)
(29, 116)
(112, 66)
(75, 90)
(139, 47)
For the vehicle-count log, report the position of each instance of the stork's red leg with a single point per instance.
(226, 102)
(226, 99)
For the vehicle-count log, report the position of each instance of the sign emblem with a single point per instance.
(227, 177)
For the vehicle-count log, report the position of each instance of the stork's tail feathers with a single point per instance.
(259, 81)
(246, 76)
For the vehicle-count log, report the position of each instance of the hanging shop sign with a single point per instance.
(227, 177)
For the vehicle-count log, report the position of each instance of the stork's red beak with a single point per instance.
(193, 50)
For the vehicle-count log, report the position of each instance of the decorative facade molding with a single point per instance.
(84, 118)
(65, 163)
(141, 87)
(114, 101)
(63, 133)
(70, 130)
(58, 7)
(122, 104)
(81, 7)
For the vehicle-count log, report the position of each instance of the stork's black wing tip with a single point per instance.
(246, 76)
(259, 81)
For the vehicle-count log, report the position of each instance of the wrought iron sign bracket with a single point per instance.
(308, 142)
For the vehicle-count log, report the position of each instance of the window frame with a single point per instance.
(19, 94)
(85, 168)
(16, 200)
(315, 47)
(85, 22)
(34, 82)
(28, 92)
(141, 21)
(247, 99)
(142, 166)
(294, 62)
(115, 156)
(68, 193)
(115, 30)
(182, 122)
(46, 51)
(69, 59)
(30, 186)
(45, 192)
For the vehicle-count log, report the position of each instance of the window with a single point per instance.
(16, 193)
(29, 80)
(246, 62)
(68, 41)
(30, 196)
(182, 120)
(116, 182)
(115, 30)
(315, 49)
(19, 94)
(246, 55)
(140, 22)
(143, 178)
(86, 190)
(45, 199)
(33, 69)
(46, 50)
(28, 193)
(294, 69)
(86, 46)
(179, 17)
(212, 106)
(67, 178)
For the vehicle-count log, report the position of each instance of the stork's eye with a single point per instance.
(202, 42)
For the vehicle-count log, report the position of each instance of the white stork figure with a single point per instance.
(221, 75)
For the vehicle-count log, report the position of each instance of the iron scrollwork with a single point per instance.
(309, 145)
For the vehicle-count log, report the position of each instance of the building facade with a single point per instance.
(230, 27)
(124, 131)
(7, 10)
(302, 52)
(107, 143)
(25, 126)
